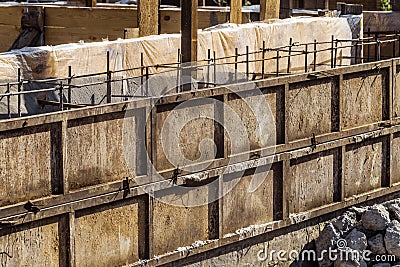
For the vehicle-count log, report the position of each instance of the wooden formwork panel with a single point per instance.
(67, 25)
(363, 167)
(72, 24)
(10, 25)
(39, 243)
(192, 124)
(95, 152)
(26, 164)
(108, 235)
(310, 177)
(268, 121)
(310, 108)
(395, 150)
(396, 92)
(252, 207)
(364, 98)
(312, 181)
(175, 225)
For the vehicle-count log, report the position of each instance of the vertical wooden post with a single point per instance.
(189, 30)
(64, 159)
(236, 12)
(71, 239)
(108, 95)
(90, 3)
(148, 17)
(188, 41)
(326, 4)
(19, 90)
(269, 9)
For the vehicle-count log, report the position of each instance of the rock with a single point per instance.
(350, 263)
(325, 240)
(392, 239)
(377, 245)
(376, 218)
(358, 210)
(391, 202)
(356, 240)
(346, 222)
(382, 265)
(360, 227)
(395, 210)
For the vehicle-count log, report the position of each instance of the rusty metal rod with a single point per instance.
(108, 78)
(247, 62)
(8, 102)
(332, 43)
(263, 61)
(61, 93)
(289, 54)
(19, 90)
(236, 63)
(208, 65)
(315, 55)
(69, 84)
(306, 58)
(277, 63)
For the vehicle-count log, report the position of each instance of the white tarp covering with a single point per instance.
(86, 58)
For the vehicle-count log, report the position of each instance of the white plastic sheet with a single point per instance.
(86, 58)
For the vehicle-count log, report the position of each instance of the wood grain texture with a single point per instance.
(148, 17)
(269, 9)
(236, 12)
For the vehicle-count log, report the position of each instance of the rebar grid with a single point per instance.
(65, 85)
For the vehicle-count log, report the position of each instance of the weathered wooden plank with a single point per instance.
(148, 17)
(189, 30)
(131, 33)
(100, 18)
(236, 11)
(269, 9)
(10, 15)
(55, 36)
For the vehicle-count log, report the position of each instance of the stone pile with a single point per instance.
(367, 236)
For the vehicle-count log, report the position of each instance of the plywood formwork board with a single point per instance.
(178, 226)
(79, 17)
(10, 25)
(40, 243)
(396, 92)
(363, 97)
(72, 24)
(310, 108)
(363, 168)
(395, 175)
(308, 174)
(8, 34)
(10, 15)
(253, 208)
(56, 36)
(99, 157)
(119, 229)
(67, 25)
(31, 147)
